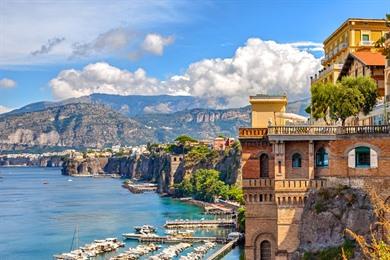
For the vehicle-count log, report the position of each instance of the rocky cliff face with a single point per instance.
(41, 161)
(156, 167)
(73, 125)
(328, 213)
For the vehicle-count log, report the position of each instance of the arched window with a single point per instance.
(264, 166)
(265, 250)
(296, 160)
(362, 156)
(322, 158)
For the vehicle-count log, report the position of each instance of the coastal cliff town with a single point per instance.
(201, 172)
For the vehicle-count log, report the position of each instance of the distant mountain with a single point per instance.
(199, 123)
(101, 120)
(72, 125)
(132, 105)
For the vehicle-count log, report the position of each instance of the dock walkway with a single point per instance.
(199, 223)
(223, 250)
(171, 239)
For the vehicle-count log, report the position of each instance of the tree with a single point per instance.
(346, 98)
(367, 87)
(346, 102)
(183, 139)
(321, 100)
(381, 42)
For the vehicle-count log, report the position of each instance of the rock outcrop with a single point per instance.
(156, 167)
(328, 213)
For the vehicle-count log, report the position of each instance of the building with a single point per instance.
(355, 34)
(387, 67)
(221, 143)
(366, 63)
(282, 163)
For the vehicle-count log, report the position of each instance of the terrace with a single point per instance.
(310, 132)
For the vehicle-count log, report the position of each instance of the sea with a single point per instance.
(43, 213)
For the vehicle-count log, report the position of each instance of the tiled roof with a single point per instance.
(370, 58)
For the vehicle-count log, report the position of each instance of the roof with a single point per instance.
(366, 57)
(370, 58)
(352, 20)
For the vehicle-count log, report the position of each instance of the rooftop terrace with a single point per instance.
(311, 132)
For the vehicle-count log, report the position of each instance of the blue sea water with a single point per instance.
(38, 220)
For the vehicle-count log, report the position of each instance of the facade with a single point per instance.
(366, 63)
(355, 34)
(282, 163)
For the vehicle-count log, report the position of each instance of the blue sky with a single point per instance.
(182, 47)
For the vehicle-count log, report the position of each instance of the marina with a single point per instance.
(93, 249)
(98, 206)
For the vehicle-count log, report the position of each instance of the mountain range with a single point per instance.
(103, 120)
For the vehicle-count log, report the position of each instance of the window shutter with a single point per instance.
(373, 158)
(351, 159)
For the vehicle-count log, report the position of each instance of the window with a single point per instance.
(365, 37)
(362, 156)
(265, 250)
(296, 160)
(322, 158)
(264, 166)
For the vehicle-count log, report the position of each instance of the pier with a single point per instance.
(140, 187)
(223, 250)
(200, 223)
(172, 239)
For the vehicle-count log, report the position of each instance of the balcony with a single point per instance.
(366, 43)
(248, 133)
(290, 133)
(343, 45)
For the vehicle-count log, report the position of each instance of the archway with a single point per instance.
(265, 250)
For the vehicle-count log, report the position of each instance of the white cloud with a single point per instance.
(103, 78)
(7, 83)
(4, 109)
(257, 67)
(155, 43)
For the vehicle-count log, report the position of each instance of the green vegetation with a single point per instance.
(206, 185)
(346, 98)
(201, 153)
(381, 42)
(184, 139)
(336, 253)
(241, 219)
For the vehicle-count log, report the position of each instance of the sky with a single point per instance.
(222, 51)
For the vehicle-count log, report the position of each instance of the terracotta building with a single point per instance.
(281, 163)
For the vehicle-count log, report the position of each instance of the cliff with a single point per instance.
(327, 213)
(40, 161)
(158, 167)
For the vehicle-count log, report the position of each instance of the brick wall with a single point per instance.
(303, 149)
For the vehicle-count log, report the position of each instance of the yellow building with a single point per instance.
(353, 35)
(266, 110)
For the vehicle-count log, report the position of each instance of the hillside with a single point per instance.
(72, 125)
(101, 120)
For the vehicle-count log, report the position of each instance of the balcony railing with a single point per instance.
(366, 43)
(302, 130)
(284, 185)
(369, 129)
(314, 130)
(252, 132)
